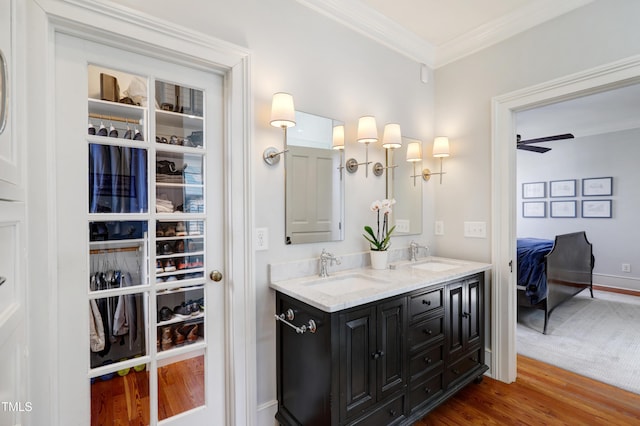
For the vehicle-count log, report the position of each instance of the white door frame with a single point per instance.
(120, 27)
(504, 107)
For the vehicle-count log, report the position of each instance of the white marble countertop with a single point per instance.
(353, 287)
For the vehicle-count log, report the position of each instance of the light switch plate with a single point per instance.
(403, 225)
(475, 229)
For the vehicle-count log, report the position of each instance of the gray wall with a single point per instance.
(331, 71)
(596, 34)
(616, 240)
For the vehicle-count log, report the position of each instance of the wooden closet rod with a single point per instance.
(115, 118)
(113, 250)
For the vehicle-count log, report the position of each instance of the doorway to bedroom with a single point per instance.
(575, 172)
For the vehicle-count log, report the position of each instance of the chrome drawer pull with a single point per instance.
(2, 280)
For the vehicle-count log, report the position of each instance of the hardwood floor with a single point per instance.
(542, 395)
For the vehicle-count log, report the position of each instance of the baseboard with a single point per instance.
(488, 362)
(616, 290)
(617, 281)
(266, 415)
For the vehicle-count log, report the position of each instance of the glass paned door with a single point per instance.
(150, 203)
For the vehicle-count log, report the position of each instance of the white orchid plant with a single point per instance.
(379, 240)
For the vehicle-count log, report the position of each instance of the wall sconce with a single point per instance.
(440, 150)
(391, 139)
(338, 144)
(367, 133)
(283, 115)
(414, 155)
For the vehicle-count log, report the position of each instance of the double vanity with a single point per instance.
(376, 347)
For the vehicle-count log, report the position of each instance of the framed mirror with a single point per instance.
(406, 189)
(4, 92)
(314, 182)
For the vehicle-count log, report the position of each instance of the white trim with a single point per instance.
(367, 21)
(374, 25)
(503, 302)
(114, 25)
(500, 29)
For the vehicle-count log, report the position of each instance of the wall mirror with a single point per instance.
(407, 190)
(314, 182)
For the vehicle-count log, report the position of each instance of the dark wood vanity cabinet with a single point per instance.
(386, 362)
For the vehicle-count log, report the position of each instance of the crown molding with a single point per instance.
(370, 23)
(501, 29)
(376, 26)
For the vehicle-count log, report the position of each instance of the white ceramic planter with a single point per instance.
(379, 259)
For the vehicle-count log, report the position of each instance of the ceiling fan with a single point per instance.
(526, 144)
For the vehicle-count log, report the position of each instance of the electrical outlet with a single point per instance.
(402, 225)
(439, 227)
(262, 239)
(626, 267)
(475, 229)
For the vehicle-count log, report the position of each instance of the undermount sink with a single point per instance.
(429, 264)
(435, 266)
(345, 284)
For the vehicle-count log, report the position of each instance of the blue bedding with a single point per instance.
(531, 267)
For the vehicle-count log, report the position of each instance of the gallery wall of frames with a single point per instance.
(570, 198)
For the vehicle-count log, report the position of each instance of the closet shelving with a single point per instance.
(167, 187)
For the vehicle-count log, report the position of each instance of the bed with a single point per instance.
(552, 271)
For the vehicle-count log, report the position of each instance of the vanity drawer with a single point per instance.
(389, 414)
(423, 392)
(464, 365)
(425, 332)
(423, 303)
(425, 362)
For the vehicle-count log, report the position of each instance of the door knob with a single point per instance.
(215, 275)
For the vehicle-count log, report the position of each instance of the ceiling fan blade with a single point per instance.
(547, 138)
(538, 149)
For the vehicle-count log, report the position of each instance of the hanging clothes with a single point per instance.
(117, 179)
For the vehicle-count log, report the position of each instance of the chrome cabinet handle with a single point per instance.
(2, 280)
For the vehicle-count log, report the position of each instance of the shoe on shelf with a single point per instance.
(169, 265)
(167, 340)
(178, 336)
(179, 246)
(182, 263)
(192, 337)
(181, 230)
(182, 311)
(165, 314)
(159, 268)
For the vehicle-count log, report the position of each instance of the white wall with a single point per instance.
(614, 240)
(331, 71)
(599, 33)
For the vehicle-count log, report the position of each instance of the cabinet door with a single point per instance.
(454, 326)
(473, 315)
(357, 363)
(391, 348)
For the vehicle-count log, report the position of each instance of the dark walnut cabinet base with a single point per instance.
(388, 362)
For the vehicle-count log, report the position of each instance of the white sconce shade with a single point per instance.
(392, 137)
(338, 137)
(283, 113)
(441, 146)
(414, 152)
(367, 129)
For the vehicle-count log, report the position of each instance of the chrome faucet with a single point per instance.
(413, 250)
(327, 258)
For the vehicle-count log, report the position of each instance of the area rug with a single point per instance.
(597, 338)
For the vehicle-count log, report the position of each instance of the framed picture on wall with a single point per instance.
(534, 190)
(534, 209)
(596, 208)
(597, 186)
(563, 209)
(562, 188)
